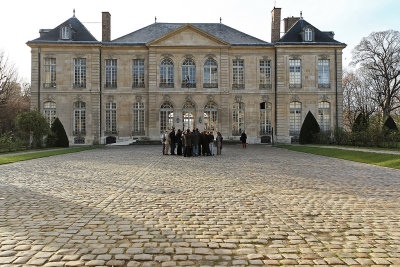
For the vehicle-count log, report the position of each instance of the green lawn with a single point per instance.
(28, 156)
(384, 160)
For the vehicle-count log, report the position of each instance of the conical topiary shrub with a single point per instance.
(390, 125)
(58, 137)
(309, 129)
(360, 123)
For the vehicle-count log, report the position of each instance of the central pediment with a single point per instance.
(188, 35)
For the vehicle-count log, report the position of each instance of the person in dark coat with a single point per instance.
(211, 143)
(205, 149)
(172, 137)
(196, 142)
(243, 138)
(219, 143)
(178, 138)
(188, 143)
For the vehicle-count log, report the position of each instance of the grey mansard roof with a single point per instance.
(79, 34)
(219, 30)
(294, 35)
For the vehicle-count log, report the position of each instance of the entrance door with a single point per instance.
(188, 120)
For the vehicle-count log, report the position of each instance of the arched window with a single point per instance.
(210, 74)
(211, 117)
(265, 118)
(189, 115)
(308, 35)
(188, 74)
(111, 118)
(324, 118)
(167, 73)
(66, 33)
(238, 118)
(166, 117)
(138, 118)
(49, 109)
(295, 118)
(79, 118)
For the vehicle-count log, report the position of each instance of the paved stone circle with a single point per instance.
(260, 206)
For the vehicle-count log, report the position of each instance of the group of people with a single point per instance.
(191, 143)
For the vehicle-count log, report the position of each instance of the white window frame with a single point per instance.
(79, 118)
(295, 73)
(49, 111)
(265, 74)
(166, 117)
(211, 117)
(308, 35)
(50, 72)
(188, 73)
(79, 72)
(111, 69)
(66, 33)
(167, 73)
(111, 118)
(324, 115)
(238, 74)
(138, 119)
(323, 73)
(295, 117)
(138, 73)
(210, 79)
(238, 118)
(266, 119)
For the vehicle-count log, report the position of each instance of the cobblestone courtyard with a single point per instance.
(131, 206)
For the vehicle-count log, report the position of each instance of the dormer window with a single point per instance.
(66, 33)
(308, 35)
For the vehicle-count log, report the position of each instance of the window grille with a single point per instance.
(138, 119)
(79, 118)
(188, 74)
(49, 73)
(295, 118)
(295, 73)
(167, 73)
(324, 118)
(80, 73)
(265, 74)
(238, 119)
(323, 73)
(238, 74)
(111, 118)
(210, 74)
(265, 118)
(138, 73)
(166, 117)
(111, 73)
(49, 109)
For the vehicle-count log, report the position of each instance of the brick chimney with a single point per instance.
(275, 25)
(289, 22)
(106, 26)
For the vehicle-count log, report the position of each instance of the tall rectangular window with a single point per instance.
(111, 118)
(238, 74)
(49, 109)
(295, 118)
(295, 73)
(238, 118)
(79, 118)
(138, 119)
(49, 72)
(138, 73)
(265, 118)
(265, 74)
(79, 72)
(323, 73)
(111, 73)
(324, 118)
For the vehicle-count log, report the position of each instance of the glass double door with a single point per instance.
(188, 120)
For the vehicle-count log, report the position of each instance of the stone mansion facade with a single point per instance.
(197, 75)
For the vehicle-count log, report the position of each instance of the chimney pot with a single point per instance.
(106, 27)
(275, 25)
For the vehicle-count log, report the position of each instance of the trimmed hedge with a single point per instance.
(309, 130)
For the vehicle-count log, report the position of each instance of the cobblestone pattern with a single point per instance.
(132, 206)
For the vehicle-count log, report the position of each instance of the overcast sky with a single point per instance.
(351, 20)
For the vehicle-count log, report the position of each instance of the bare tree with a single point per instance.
(378, 57)
(357, 96)
(14, 96)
